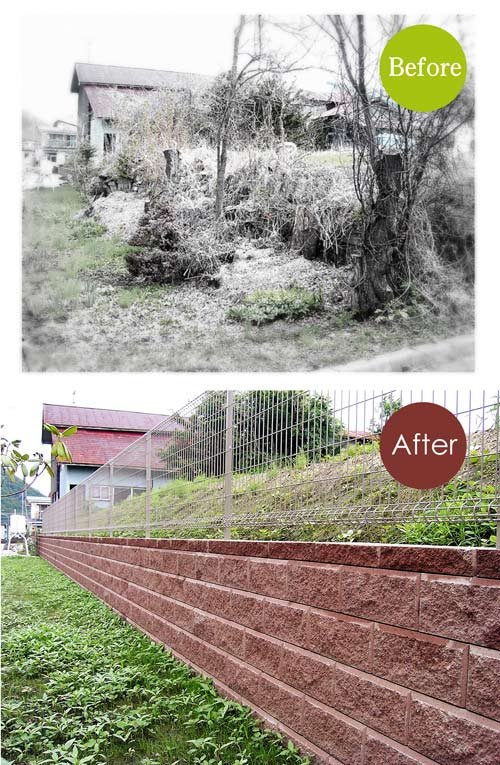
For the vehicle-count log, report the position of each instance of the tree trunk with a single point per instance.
(172, 162)
(221, 177)
(379, 267)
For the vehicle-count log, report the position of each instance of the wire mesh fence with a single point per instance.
(269, 463)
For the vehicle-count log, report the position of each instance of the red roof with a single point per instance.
(96, 447)
(106, 419)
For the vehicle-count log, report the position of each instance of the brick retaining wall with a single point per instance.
(361, 654)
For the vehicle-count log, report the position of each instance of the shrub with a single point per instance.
(81, 167)
(263, 307)
(157, 227)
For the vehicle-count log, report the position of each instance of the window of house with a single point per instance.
(109, 143)
(121, 493)
(100, 492)
(52, 157)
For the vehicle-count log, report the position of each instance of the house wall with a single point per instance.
(97, 137)
(362, 654)
(72, 474)
(83, 107)
(75, 474)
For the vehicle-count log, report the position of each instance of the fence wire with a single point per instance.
(231, 463)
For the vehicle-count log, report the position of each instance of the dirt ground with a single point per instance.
(107, 322)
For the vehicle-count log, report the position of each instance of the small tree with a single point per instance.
(232, 91)
(268, 426)
(82, 166)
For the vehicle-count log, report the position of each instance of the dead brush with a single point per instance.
(263, 198)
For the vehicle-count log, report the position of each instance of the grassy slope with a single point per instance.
(71, 270)
(350, 483)
(82, 687)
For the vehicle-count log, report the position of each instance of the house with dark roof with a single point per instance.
(102, 435)
(104, 90)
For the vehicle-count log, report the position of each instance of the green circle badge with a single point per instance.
(423, 68)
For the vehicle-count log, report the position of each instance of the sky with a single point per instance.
(201, 43)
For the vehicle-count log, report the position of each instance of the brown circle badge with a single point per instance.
(423, 445)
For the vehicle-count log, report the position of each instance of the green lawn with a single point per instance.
(80, 687)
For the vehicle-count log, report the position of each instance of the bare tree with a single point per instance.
(247, 65)
(388, 179)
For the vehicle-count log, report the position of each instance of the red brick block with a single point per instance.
(488, 564)
(316, 585)
(209, 659)
(268, 578)
(233, 572)
(193, 545)
(194, 593)
(282, 702)
(204, 626)
(186, 562)
(241, 679)
(387, 596)
(230, 637)
(207, 567)
(248, 609)
(461, 609)
(170, 585)
(165, 560)
(347, 553)
(441, 560)
(146, 577)
(285, 621)
(371, 701)
(263, 653)
(425, 663)
(308, 673)
(163, 544)
(452, 737)
(333, 732)
(183, 616)
(216, 600)
(381, 751)
(340, 637)
(133, 541)
(238, 547)
(167, 634)
(483, 689)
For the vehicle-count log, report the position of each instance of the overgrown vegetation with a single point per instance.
(387, 209)
(263, 306)
(329, 498)
(81, 687)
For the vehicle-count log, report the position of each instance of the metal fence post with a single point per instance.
(75, 508)
(111, 498)
(87, 501)
(148, 485)
(228, 464)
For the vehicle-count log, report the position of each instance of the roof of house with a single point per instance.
(131, 77)
(360, 434)
(107, 101)
(68, 130)
(96, 447)
(98, 419)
